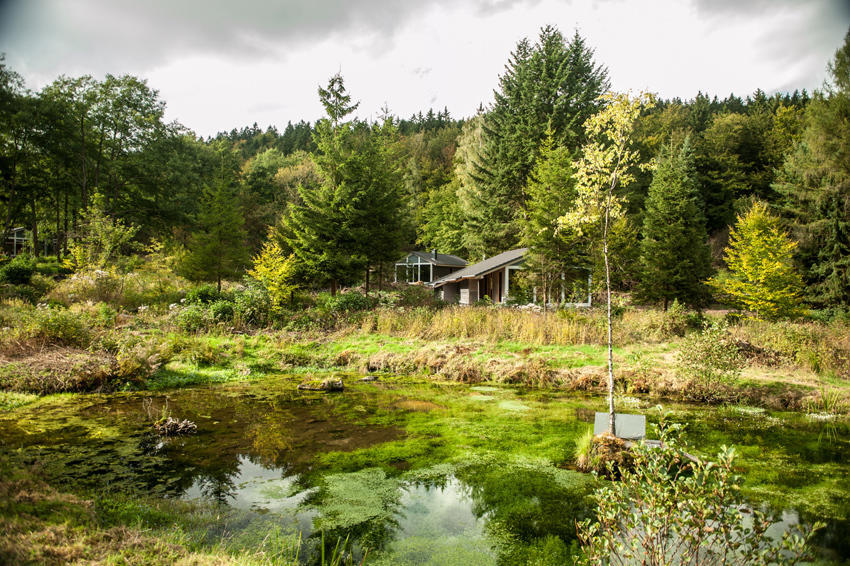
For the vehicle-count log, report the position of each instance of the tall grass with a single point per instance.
(500, 324)
(821, 348)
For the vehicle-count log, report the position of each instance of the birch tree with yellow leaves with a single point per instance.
(607, 163)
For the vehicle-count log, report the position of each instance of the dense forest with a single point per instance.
(344, 198)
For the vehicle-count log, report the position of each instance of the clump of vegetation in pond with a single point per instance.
(360, 504)
(664, 512)
(167, 425)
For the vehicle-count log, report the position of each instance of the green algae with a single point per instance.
(319, 450)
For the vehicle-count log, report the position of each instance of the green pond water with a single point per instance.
(415, 472)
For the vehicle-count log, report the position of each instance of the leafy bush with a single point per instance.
(100, 239)
(667, 509)
(204, 294)
(709, 358)
(19, 271)
(251, 307)
(193, 318)
(221, 311)
(347, 302)
(677, 320)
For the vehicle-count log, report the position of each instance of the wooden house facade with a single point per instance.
(491, 278)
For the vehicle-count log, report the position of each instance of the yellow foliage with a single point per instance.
(275, 271)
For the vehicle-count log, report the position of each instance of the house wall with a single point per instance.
(469, 291)
(450, 293)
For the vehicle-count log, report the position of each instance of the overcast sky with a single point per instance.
(221, 64)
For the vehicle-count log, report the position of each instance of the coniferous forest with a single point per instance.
(470, 186)
(246, 348)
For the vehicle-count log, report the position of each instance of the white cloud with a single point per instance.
(221, 64)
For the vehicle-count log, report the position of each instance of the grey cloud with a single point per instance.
(823, 24)
(49, 34)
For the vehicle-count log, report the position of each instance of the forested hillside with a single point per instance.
(345, 197)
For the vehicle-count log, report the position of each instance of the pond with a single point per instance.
(415, 472)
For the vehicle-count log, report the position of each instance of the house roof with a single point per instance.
(442, 259)
(482, 268)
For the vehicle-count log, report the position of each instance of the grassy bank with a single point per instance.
(92, 347)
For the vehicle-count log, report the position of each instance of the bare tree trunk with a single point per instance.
(65, 231)
(333, 287)
(35, 250)
(611, 419)
(610, 334)
(57, 249)
(367, 280)
(84, 190)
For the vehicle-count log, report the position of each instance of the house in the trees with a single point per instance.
(425, 267)
(491, 278)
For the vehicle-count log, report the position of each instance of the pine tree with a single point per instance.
(815, 185)
(217, 248)
(762, 277)
(674, 253)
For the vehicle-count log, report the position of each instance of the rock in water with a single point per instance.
(369, 378)
(329, 384)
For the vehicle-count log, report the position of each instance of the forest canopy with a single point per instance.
(345, 198)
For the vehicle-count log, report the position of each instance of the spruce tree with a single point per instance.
(674, 253)
(354, 219)
(551, 192)
(217, 248)
(815, 185)
(550, 84)
(762, 277)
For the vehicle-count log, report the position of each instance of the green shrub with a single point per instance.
(192, 318)
(19, 271)
(677, 320)
(709, 358)
(221, 311)
(251, 307)
(27, 293)
(667, 509)
(351, 301)
(204, 294)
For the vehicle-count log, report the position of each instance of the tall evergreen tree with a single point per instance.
(355, 217)
(551, 84)
(815, 184)
(551, 193)
(217, 248)
(675, 257)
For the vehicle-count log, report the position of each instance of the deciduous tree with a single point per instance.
(762, 277)
(606, 164)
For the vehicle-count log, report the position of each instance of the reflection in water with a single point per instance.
(255, 448)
